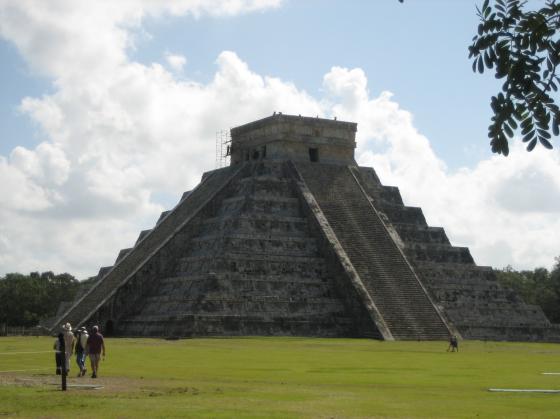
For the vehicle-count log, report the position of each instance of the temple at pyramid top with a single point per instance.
(297, 138)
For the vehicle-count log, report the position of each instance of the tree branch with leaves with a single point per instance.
(522, 47)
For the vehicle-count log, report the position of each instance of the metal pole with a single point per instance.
(63, 366)
(217, 166)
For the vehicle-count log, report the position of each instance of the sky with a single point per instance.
(109, 112)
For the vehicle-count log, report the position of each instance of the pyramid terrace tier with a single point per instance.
(266, 306)
(508, 332)
(473, 299)
(189, 325)
(256, 263)
(401, 214)
(500, 312)
(412, 233)
(271, 224)
(217, 243)
(283, 206)
(454, 281)
(435, 252)
(241, 284)
(264, 185)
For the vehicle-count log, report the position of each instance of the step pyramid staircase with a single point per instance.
(392, 284)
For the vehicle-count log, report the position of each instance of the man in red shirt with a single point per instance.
(95, 347)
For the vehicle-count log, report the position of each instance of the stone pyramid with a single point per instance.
(294, 238)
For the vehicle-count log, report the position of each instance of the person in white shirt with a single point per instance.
(68, 345)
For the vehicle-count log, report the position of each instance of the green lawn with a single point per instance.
(285, 377)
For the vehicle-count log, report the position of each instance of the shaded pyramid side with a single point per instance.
(246, 264)
(137, 258)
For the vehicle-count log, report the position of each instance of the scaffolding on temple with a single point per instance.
(223, 148)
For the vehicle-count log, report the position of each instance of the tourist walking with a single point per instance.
(81, 343)
(68, 345)
(453, 344)
(95, 349)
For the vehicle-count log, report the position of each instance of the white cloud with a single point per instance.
(175, 61)
(20, 193)
(117, 133)
(46, 165)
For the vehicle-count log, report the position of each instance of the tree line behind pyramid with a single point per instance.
(293, 238)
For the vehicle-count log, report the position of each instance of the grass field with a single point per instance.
(285, 377)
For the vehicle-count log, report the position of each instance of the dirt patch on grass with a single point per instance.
(108, 387)
(101, 384)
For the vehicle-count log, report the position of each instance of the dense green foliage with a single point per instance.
(539, 287)
(25, 299)
(522, 47)
(284, 378)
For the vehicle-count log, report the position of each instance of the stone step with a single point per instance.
(185, 195)
(496, 316)
(211, 286)
(390, 195)
(504, 306)
(272, 316)
(457, 272)
(255, 257)
(187, 325)
(254, 264)
(413, 233)
(260, 243)
(402, 214)
(510, 333)
(440, 253)
(452, 293)
(273, 169)
(245, 299)
(369, 180)
(142, 234)
(261, 204)
(122, 254)
(162, 216)
(239, 277)
(264, 186)
(248, 306)
(257, 223)
(264, 178)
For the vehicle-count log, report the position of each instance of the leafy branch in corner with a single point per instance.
(523, 48)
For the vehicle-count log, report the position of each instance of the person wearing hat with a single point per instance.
(95, 348)
(81, 343)
(68, 345)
